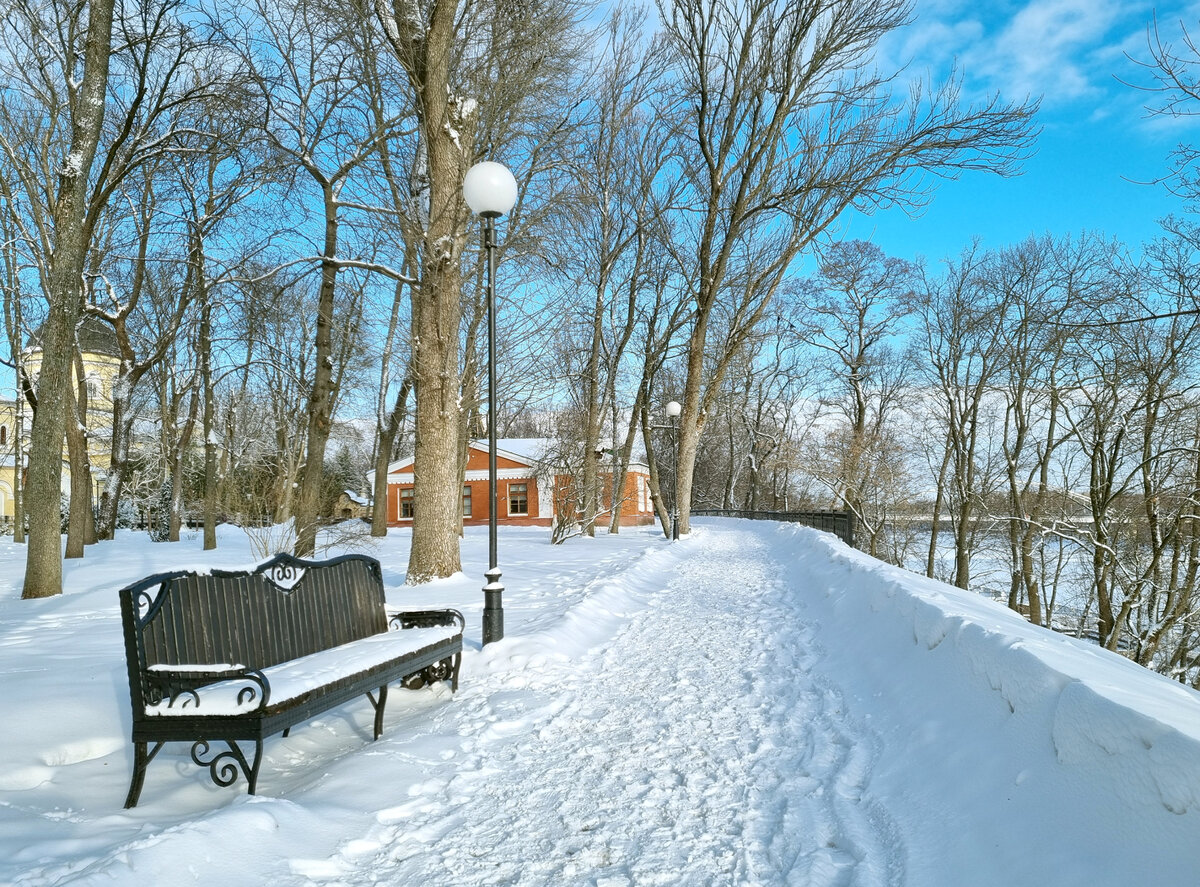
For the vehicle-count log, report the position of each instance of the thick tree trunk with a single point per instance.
(437, 311)
(43, 570)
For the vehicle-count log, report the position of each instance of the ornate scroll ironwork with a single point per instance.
(439, 671)
(186, 687)
(426, 619)
(284, 575)
(143, 602)
(223, 767)
(442, 670)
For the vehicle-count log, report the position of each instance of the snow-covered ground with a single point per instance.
(756, 704)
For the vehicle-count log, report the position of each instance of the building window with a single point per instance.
(3, 434)
(406, 503)
(93, 385)
(466, 501)
(518, 498)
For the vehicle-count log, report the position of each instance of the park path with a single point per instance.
(700, 745)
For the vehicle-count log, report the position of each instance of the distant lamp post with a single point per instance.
(491, 192)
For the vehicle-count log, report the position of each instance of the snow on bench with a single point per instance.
(231, 656)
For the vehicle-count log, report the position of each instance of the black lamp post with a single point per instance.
(491, 191)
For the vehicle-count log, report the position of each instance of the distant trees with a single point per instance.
(1062, 377)
(1031, 413)
(783, 126)
(853, 312)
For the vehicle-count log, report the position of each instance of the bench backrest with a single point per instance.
(282, 609)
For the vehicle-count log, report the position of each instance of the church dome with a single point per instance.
(95, 337)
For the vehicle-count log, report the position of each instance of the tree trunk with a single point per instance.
(437, 310)
(387, 440)
(209, 416)
(176, 510)
(43, 571)
(19, 466)
(80, 525)
(592, 415)
(322, 394)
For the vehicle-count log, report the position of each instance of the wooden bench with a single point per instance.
(235, 657)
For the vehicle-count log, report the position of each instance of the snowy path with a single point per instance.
(716, 756)
(756, 705)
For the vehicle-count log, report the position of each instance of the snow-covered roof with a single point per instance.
(529, 450)
(523, 449)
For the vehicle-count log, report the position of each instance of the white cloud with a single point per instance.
(1047, 48)
(1073, 54)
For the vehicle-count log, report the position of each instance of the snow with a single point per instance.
(754, 704)
(72, 165)
(290, 680)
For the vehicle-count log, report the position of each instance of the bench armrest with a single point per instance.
(182, 686)
(426, 619)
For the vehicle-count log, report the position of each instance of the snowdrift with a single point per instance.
(1023, 742)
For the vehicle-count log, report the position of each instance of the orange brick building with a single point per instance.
(525, 491)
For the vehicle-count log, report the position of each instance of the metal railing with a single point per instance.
(840, 523)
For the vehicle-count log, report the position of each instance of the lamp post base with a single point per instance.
(493, 607)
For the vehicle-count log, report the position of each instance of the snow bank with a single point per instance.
(1066, 748)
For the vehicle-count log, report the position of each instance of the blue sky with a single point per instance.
(1097, 142)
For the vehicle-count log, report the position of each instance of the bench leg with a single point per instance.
(141, 760)
(252, 776)
(379, 704)
(454, 672)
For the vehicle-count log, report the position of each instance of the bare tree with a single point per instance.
(1130, 414)
(311, 70)
(14, 328)
(149, 63)
(609, 227)
(83, 76)
(425, 40)
(471, 69)
(960, 350)
(785, 125)
(1173, 67)
(852, 312)
(1040, 281)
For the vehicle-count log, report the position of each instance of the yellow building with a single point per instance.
(101, 360)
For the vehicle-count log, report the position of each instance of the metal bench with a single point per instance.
(236, 656)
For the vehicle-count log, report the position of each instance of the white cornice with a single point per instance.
(502, 474)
